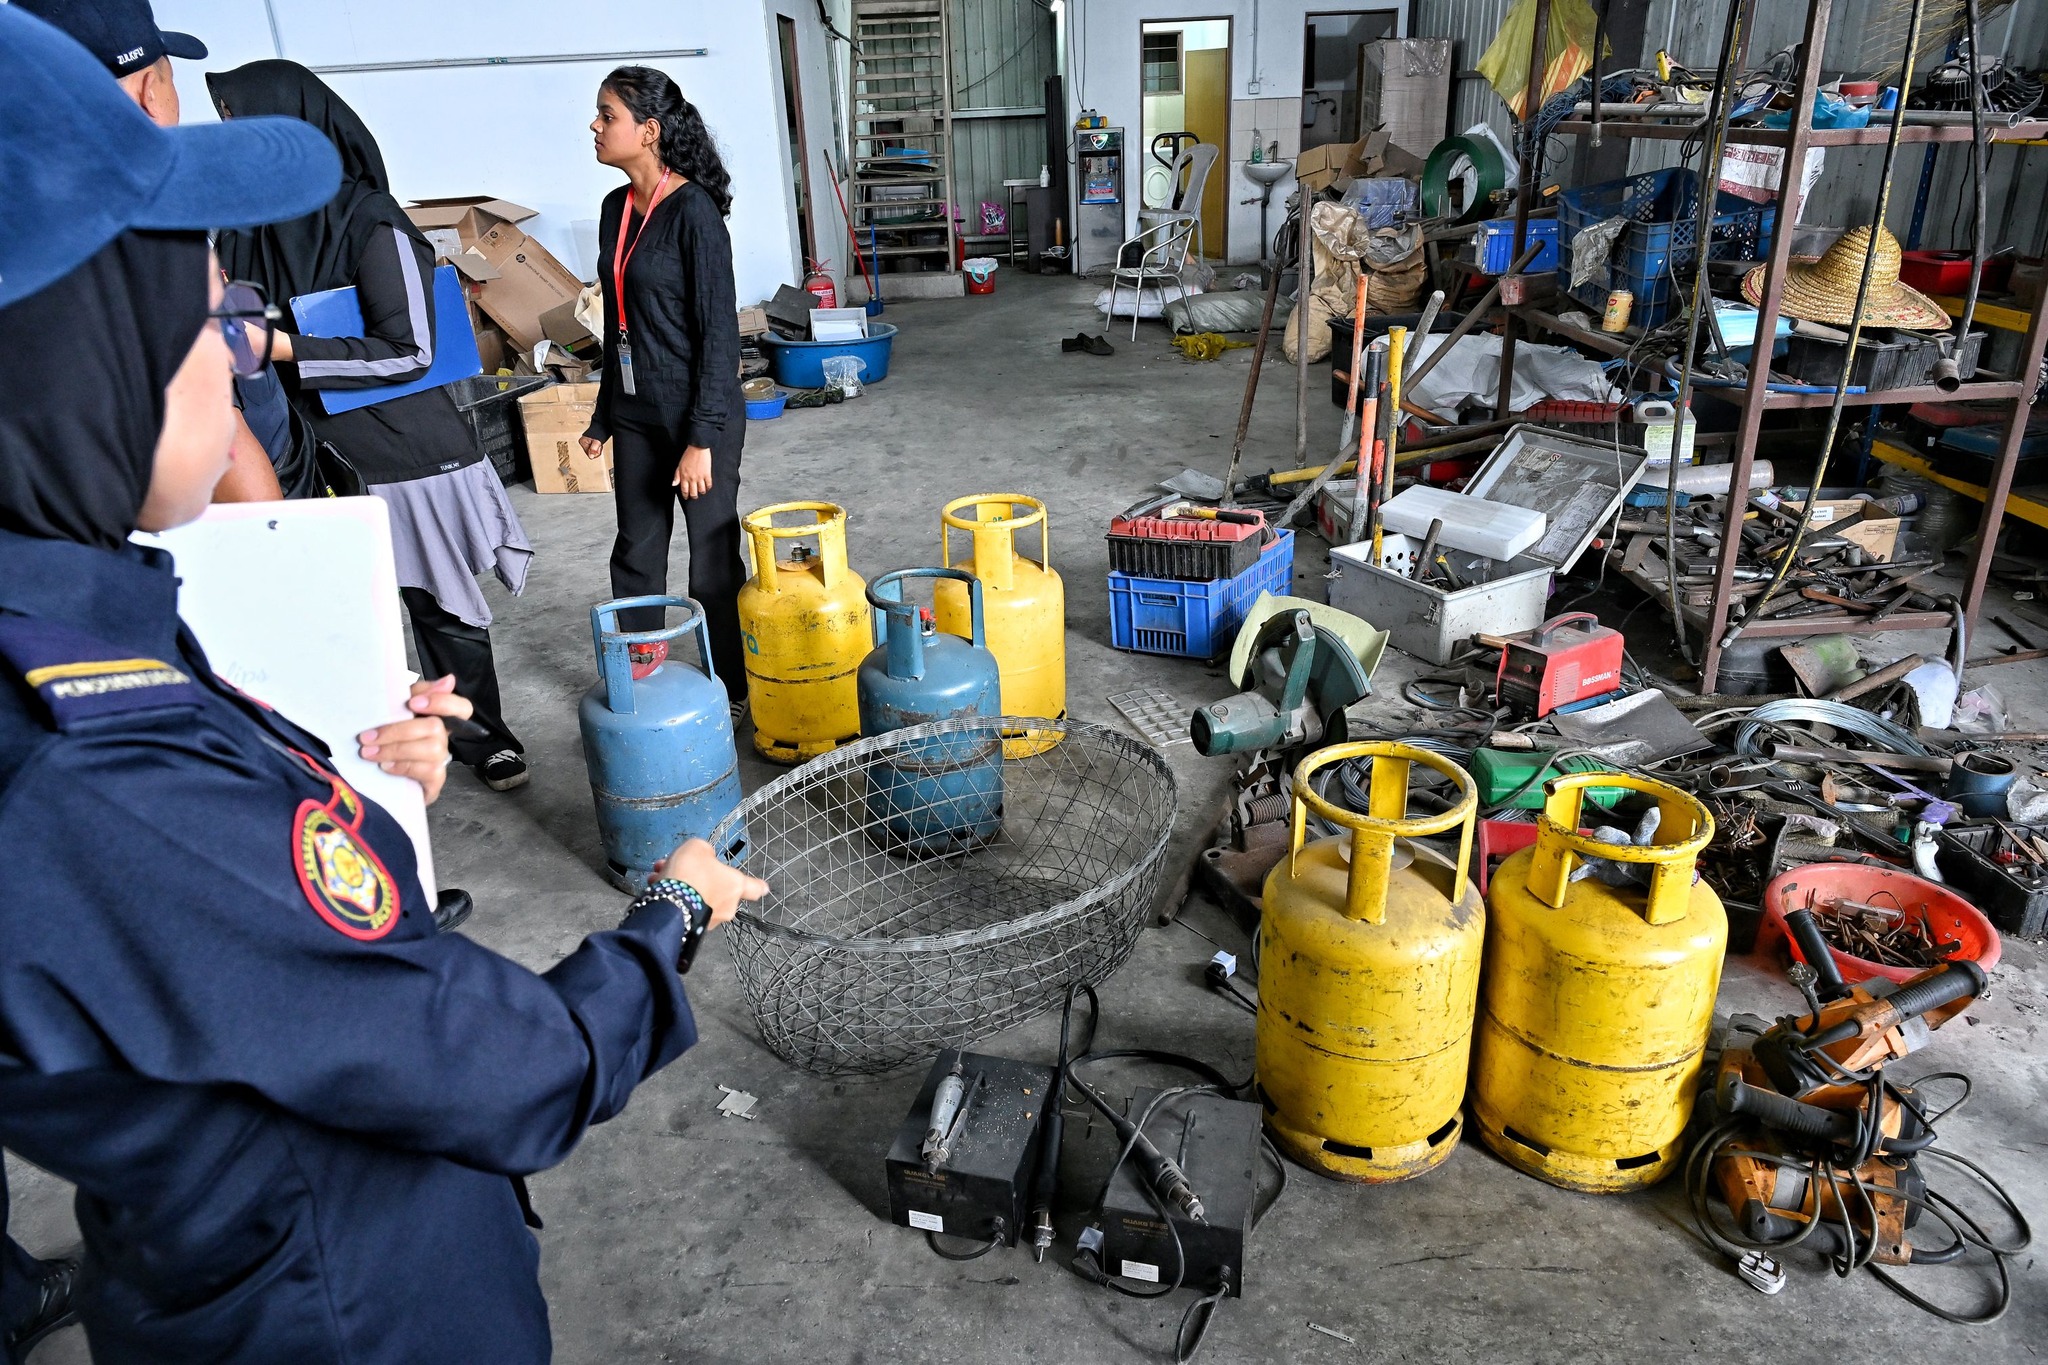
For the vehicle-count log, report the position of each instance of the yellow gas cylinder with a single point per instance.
(1369, 954)
(807, 627)
(1598, 998)
(1024, 603)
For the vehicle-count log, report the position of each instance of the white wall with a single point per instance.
(1101, 43)
(519, 132)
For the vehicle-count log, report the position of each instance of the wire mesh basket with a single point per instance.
(897, 926)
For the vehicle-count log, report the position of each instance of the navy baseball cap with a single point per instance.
(80, 164)
(121, 33)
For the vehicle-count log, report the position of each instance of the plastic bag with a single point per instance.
(1980, 711)
(1568, 53)
(2026, 803)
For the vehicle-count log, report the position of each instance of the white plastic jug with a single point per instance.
(1661, 428)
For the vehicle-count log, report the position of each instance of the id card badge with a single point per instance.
(626, 366)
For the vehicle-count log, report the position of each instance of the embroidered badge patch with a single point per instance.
(345, 881)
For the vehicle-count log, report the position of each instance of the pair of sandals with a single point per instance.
(1093, 345)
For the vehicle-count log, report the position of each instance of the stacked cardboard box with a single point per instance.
(515, 283)
(555, 419)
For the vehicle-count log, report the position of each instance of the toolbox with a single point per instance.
(1193, 547)
(1577, 483)
(1967, 855)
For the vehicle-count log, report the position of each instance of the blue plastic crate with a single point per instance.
(1495, 245)
(1194, 620)
(1661, 237)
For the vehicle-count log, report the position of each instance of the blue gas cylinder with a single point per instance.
(942, 794)
(660, 751)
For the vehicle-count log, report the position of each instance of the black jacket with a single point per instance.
(681, 307)
(408, 437)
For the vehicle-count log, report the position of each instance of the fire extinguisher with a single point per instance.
(819, 284)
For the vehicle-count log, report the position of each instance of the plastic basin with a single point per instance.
(764, 409)
(1948, 915)
(801, 364)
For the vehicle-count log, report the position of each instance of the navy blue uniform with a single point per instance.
(290, 1107)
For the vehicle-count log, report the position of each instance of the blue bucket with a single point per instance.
(801, 364)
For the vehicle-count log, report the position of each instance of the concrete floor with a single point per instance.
(677, 1235)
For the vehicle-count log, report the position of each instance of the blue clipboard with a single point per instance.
(339, 313)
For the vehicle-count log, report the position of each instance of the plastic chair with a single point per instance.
(1194, 163)
(1154, 256)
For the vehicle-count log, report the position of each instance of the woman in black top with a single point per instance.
(670, 402)
(450, 518)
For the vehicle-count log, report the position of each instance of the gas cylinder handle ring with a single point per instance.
(883, 605)
(1373, 832)
(614, 645)
(1034, 515)
(1685, 827)
(827, 526)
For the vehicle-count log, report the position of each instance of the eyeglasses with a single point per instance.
(247, 321)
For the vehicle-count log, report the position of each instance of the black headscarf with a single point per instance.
(322, 249)
(78, 428)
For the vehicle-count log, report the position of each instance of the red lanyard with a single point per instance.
(622, 251)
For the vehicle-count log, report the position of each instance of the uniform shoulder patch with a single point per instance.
(79, 677)
(343, 878)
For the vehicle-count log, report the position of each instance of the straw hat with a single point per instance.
(1824, 290)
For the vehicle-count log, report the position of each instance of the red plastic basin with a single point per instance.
(1948, 915)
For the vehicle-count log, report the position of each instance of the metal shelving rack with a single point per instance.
(900, 137)
(1756, 399)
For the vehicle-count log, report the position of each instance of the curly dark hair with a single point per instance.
(686, 145)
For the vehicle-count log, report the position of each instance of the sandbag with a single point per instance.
(1228, 310)
(1342, 244)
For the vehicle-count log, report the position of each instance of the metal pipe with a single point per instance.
(556, 59)
(1814, 753)
(1980, 164)
(1305, 280)
(1472, 319)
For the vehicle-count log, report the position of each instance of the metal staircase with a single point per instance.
(900, 152)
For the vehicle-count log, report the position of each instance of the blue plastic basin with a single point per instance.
(801, 364)
(763, 409)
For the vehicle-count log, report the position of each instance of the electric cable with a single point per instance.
(995, 1240)
(1790, 553)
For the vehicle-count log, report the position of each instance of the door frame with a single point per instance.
(1219, 251)
(790, 61)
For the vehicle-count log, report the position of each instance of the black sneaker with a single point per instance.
(503, 771)
(451, 909)
(54, 1312)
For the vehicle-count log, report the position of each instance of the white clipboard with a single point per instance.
(296, 603)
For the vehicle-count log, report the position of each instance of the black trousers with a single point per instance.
(449, 644)
(643, 464)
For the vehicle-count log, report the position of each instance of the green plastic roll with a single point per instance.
(1487, 165)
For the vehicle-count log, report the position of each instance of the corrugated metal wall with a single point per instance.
(1002, 53)
(1471, 25)
(1847, 191)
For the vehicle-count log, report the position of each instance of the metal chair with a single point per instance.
(1154, 256)
(1194, 163)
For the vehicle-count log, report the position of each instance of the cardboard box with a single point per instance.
(555, 419)
(561, 326)
(469, 217)
(753, 321)
(1879, 536)
(1340, 163)
(530, 283)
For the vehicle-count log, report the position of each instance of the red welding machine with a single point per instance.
(1566, 659)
